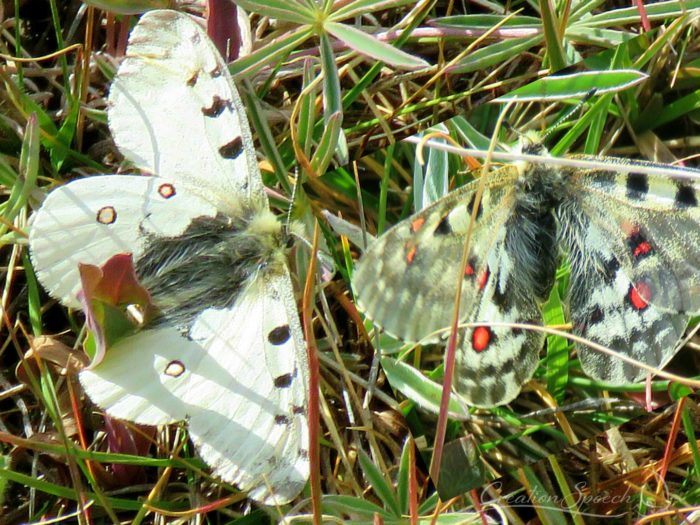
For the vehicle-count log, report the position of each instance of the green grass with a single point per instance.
(318, 98)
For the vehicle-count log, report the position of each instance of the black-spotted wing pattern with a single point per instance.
(633, 242)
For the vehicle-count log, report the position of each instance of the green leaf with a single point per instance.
(630, 15)
(351, 505)
(327, 146)
(269, 54)
(557, 347)
(371, 47)
(576, 85)
(418, 388)
(65, 136)
(403, 480)
(552, 37)
(494, 54)
(461, 468)
(382, 488)
(431, 180)
(129, 7)
(538, 493)
(286, 10)
(307, 108)
(362, 7)
(679, 390)
(486, 22)
(689, 425)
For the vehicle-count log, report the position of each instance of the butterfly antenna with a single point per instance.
(566, 116)
(292, 198)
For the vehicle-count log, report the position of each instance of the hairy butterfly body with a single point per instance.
(632, 240)
(226, 352)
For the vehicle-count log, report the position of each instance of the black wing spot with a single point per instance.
(233, 149)
(597, 315)
(470, 206)
(443, 227)
(501, 298)
(218, 106)
(279, 336)
(192, 82)
(283, 381)
(215, 73)
(637, 186)
(611, 266)
(685, 197)
(282, 419)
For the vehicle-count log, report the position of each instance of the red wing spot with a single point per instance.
(638, 243)
(639, 296)
(643, 248)
(411, 250)
(166, 190)
(417, 224)
(483, 279)
(469, 270)
(107, 215)
(481, 338)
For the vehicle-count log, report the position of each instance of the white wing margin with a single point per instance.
(175, 112)
(246, 412)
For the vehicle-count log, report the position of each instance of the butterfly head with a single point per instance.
(274, 238)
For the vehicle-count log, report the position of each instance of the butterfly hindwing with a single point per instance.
(494, 360)
(245, 411)
(176, 113)
(90, 220)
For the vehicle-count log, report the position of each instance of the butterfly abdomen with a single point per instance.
(532, 230)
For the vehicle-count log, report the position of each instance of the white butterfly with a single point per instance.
(227, 352)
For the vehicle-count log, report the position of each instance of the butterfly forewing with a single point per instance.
(652, 223)
(406, 280)
(175, 113)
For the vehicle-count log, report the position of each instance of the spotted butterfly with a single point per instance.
(226, 352)
(632, 241)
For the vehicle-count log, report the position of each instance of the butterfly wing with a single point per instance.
(239, 380)
(406, 281)
(494, 361)
(652, 224)
(634, 279)
(90, 220)
(176, 113)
